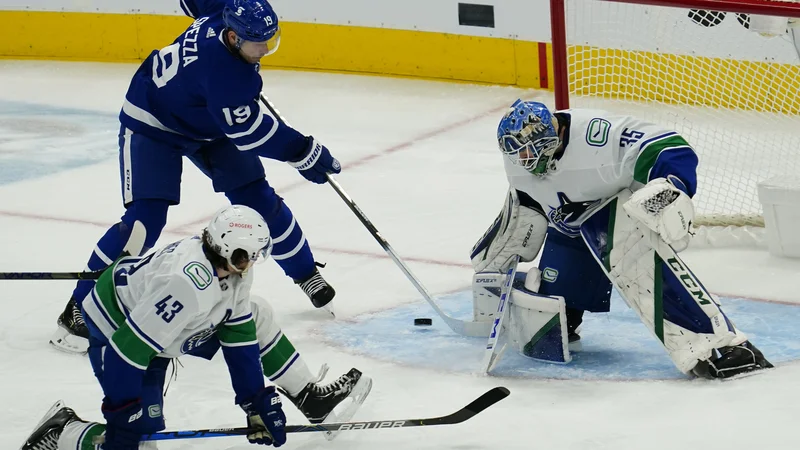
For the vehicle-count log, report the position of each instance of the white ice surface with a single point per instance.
(420, 159)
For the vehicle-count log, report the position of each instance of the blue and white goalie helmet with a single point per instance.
(526, 135)
(239, 227)
(253, 20)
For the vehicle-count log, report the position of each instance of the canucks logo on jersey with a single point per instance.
(566, 217)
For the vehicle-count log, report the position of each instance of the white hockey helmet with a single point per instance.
(239, 227)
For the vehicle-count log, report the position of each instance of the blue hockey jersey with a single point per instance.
(196, 90)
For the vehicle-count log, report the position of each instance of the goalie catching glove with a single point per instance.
(665, 209)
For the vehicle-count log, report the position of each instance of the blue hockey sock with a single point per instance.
(151, 213)
(291, 250)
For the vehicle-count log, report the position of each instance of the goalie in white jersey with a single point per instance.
(562, 169)
(192, 297)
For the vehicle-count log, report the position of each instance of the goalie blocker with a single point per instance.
(651, 278)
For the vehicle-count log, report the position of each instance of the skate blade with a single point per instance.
(752, 373)
(67, 342)
(355, 399)
(50, 413)
(329, 308)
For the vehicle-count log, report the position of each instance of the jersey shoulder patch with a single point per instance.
(597, 132)
(199, 274)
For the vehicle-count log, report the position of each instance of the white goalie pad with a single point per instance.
(517, 230)
(537, 326)
(657, 285)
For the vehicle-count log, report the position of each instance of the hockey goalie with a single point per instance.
(608, 201)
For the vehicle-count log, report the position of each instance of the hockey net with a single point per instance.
(732, 92)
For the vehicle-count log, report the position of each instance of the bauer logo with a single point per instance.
(371, 425)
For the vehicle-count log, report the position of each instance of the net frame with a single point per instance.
(561, 83)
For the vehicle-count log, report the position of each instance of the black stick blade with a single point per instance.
(486, 400)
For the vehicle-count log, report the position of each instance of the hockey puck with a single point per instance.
(423, 322)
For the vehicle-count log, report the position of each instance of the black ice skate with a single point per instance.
(317, 289)
(727, 362)
(317, 402)
(72, 335)
(48, 430)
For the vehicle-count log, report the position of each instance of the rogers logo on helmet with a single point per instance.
(239, 225)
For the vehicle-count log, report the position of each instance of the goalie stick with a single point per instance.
(486, 400)
(462, 327)
(491, 356)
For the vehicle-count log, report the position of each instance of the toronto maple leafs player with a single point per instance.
(562, 168)
(192, 297)
(199, 98)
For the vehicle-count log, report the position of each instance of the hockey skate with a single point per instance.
(72, 335)
(48, 430)
(334, 402)
(318, 290)
(734, 361)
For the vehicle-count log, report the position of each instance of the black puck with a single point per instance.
(423, 322)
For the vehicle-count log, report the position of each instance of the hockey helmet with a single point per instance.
(253, 20)
(238, 227)
(526, 135)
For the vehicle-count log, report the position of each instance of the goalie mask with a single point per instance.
(526, 135)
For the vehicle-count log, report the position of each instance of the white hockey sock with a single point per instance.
(78, 435)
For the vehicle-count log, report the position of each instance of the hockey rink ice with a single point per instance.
(420, 159)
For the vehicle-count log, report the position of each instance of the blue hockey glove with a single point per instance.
(124, 426)
(316, 162)
(264, 411)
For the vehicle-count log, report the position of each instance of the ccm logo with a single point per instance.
(239, 225)
(367, 426)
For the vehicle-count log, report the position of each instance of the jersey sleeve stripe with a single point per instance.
(136, 113)
(131, 348)
(656, 138)
(186, 9)
(144, 337)
(242, 334)
(238, 344)
(239, 320)
(256, 124)
(108, 298)
(261, 141)
(648, 155)
(294, 251)
(99, 305)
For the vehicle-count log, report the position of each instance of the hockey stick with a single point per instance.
(486, 400)
(50, 275)
(134, 245)
(490, 357)
(463, 327)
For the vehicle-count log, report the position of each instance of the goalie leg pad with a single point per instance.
(537, 326)
(518, 230)
(658, 285)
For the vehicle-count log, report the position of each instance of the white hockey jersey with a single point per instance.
(603, 154)
(170, 302)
